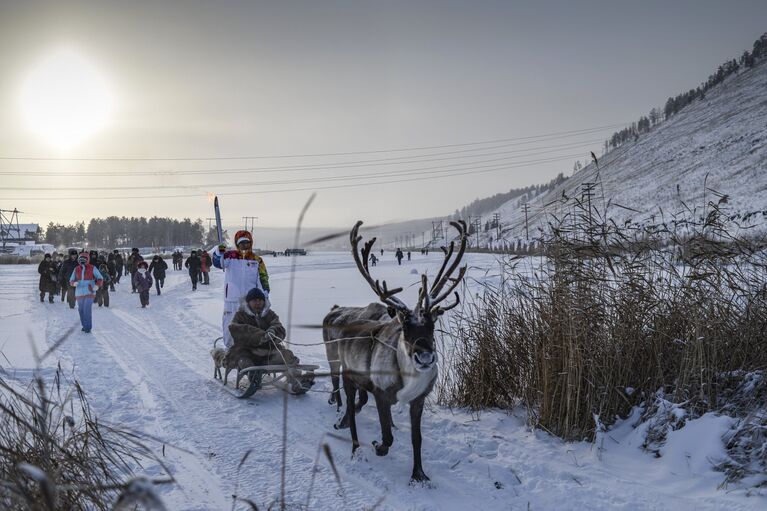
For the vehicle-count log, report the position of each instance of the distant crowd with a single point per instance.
(82, 278)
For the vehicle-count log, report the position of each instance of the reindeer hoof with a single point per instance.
(419, 477)
(343, 423)
(332, 399)
(381, 449)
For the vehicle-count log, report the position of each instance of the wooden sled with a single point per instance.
(296, 380)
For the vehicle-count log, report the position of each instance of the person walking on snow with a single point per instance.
(102, 295)
(193, 264)
(48, 277)
(142, 281)
(65, 271)
(399, 255)
(86, 280)
(119, 265)
(133, 259)
(243, 271)
(205, 263)
(158, 268)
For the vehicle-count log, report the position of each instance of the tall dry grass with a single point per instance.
(56, 455)
(611, 315)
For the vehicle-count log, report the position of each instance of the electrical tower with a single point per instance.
(437, 231)
(8, 225)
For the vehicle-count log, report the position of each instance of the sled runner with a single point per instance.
(296, 379)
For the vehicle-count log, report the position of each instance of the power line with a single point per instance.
(258, 192)
(346, 153)
(219, 185)
(295, 168)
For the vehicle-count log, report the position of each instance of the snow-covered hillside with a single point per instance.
(149, 370)
(719, 143)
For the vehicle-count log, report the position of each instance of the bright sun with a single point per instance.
(64, 99)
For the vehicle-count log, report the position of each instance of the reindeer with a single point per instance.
(349, 322)
(392, 359)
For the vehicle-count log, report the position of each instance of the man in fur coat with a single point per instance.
(257, 333)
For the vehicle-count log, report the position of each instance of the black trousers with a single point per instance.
(102, 297)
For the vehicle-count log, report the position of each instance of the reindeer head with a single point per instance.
(418, 323)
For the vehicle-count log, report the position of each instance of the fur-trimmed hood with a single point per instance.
(244, 307)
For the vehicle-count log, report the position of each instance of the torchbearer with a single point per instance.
(243, 271)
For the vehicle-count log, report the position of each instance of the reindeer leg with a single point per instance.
(361, 401)
(350, 389)
(384, 416)
(343, 422)
(416, 410)
(227, 370)
(335, 396)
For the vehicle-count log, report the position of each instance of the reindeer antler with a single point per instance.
(385, 294)
(429, 300)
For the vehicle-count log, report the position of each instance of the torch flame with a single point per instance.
(211, 196)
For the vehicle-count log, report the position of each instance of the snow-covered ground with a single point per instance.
(150, 370)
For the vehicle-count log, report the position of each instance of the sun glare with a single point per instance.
(64, 99)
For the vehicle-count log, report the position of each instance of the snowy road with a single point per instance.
(150, 370)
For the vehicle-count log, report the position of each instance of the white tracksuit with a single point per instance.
(240, 276)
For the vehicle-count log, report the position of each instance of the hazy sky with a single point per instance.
(250, 79)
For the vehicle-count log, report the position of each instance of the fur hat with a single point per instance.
(255, 294)
(142, 264)
(84, 255)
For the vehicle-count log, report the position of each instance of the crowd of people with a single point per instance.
(83, 278)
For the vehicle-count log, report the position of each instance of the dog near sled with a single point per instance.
(275, 371)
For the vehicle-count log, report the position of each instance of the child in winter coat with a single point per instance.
(142, 281)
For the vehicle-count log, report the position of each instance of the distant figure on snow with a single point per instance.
(86, 279)
(158, 268)
(142, 281)
(48, 277)
(102, 295)
(133, 259)
(399, 255)
(192, 263)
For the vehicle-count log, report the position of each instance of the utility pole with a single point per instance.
(477, 227)
(526, 208)
(252, 222)
(497, 222)
(587, 192)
